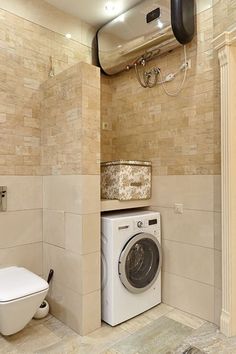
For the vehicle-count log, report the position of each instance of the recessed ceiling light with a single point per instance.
(68, 35)
(111, 7)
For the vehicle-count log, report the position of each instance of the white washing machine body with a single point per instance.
(131, 264)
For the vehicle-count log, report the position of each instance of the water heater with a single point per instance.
(149, 29)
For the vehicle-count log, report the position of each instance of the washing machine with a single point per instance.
(131, 264)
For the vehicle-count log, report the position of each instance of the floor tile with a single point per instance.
(186, 319)
(158, 311)
(135, 324)
(28, 339)
(161, 330)
(159, 337)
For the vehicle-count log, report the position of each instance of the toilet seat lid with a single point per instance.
(17, 282)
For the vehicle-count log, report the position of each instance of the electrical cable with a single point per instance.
(162, 82)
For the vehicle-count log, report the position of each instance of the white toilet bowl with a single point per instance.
(21, 293)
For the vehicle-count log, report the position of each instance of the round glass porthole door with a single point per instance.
(140, 262)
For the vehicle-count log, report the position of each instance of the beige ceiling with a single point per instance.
(92, 11)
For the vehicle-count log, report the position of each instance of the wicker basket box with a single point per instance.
(126, 180)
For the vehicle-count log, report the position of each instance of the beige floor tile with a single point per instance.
(66, 346)
(186, 319)
(158, 311)
(57, 327)
(50, 336)
(28, 340)
(111, 351)
(108, 334)
(135, 323)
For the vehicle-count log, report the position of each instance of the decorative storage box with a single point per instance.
(126, 180)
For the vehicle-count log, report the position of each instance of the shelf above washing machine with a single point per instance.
(109, 205)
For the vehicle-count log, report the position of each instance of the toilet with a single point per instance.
(21, 294)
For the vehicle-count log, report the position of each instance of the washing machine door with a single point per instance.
(140, 262)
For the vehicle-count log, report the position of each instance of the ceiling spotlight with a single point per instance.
(68, 35)
(160, 24)
(110, 7)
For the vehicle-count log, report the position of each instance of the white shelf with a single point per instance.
(109, 205)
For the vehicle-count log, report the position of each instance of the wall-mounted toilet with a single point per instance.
(21, 294)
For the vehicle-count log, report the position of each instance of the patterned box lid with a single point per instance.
(127, 162)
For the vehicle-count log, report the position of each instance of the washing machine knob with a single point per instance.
(140, 224)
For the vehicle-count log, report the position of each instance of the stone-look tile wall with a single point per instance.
(224, 12)
(70, 116)
(70, 122)
(180, 135)
(44, 14)
(109, 133)
(24, 65)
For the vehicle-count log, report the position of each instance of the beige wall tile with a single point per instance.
(90, 75)
(217, 231)
(218, 306)
(82, 233)
(53, 227)
(74, 233)
(28, 256)
(182, 234)
(70, 114)
(44, 14)
(20, 113)
(91, 194)
(20, 228)
(91, 310)
(180, 135)
(75, 194)
(23, 192)
(192, 227)
(218, 269)
(203, 5)
(188, 295)
(192, 262)
(194, 192)
(78, 273)
(65, 304)
(90, 276)
(66, 266)
(81, 313)
(91, 233)
(224, 15)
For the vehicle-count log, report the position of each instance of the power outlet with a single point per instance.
(178, 208)
(106, 126)
(186, 65)
(189, 64)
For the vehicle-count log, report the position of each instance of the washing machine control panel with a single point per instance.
(140, 224)
(144, 223)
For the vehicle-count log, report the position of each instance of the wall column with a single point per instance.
(225, 44)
